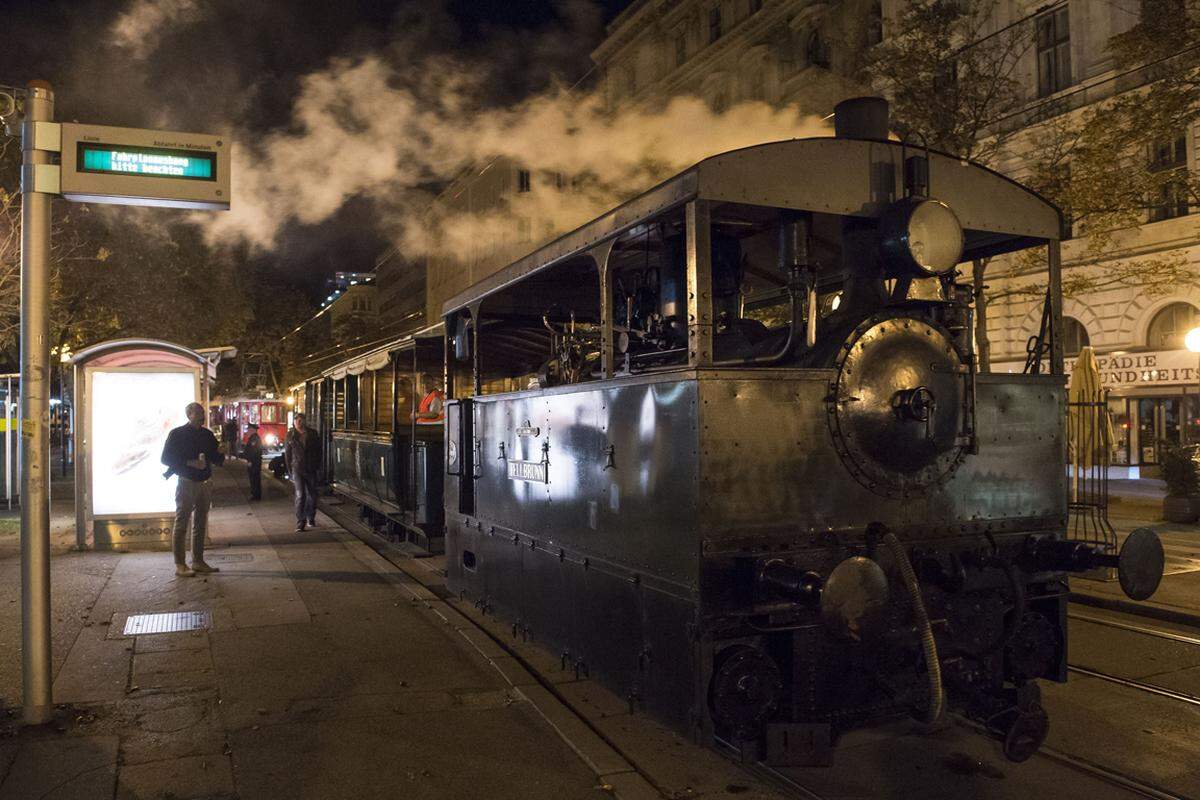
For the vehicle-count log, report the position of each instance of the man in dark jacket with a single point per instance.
(190, 452)
(303, 454)
(252, 452)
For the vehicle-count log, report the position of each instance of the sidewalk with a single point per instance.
(1178, 596)
(323, 675)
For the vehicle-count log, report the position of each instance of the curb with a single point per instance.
(1158, 612)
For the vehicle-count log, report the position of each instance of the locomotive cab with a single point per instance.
(726, 448)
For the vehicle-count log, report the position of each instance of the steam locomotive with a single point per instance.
(725, 448)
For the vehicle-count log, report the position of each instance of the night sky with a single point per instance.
(222, 65)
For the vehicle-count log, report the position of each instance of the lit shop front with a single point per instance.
(1154, 399)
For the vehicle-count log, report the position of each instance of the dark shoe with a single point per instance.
(182, 571)
(312, 522)
(300, 526)
(202, 568)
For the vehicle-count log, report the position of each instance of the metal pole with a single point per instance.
(35, 415)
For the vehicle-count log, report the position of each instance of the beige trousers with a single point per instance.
(191, 498)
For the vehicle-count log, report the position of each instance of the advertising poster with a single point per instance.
(132, 413)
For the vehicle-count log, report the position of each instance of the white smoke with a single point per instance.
(361, 128)
(140, 28)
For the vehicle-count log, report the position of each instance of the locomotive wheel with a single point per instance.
(744, 690)
(1026, 733)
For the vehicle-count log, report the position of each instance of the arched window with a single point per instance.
(817, 52)
(1171, 324)
(1074, 337)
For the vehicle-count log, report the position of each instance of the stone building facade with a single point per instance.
(807, 53)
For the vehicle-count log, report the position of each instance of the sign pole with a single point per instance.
(35, 413)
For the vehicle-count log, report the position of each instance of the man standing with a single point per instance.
(302, 451)
(252, 452)
(190, 451)
(431, 411)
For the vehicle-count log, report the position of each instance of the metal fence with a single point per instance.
(1089, 454)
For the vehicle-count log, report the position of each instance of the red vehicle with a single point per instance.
(271, 416)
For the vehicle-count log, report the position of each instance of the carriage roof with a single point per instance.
(848, 177)
(378, 357)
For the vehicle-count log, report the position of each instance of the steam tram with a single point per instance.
(378, 456)
(725, 449)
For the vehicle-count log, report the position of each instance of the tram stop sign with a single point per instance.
(131, 166)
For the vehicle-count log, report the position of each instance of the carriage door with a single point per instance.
(460, 450)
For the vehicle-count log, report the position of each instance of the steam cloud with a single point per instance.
(364, 127)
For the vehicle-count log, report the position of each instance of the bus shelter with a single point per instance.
(129, 394)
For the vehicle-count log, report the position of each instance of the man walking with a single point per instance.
(190, 452)
(303, 454)
(252, 452)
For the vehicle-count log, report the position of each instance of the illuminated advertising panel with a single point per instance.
(132, 413)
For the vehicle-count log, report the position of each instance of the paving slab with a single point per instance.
(74, 768)
(205, 777)
(503, 754)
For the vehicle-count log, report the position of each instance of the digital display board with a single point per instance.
(147, 161)
(135, 166)
(131, 415)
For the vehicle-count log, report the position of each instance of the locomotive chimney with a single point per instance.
(861, 118)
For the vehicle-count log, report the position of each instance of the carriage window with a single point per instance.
(271, 413)
(383, 400)
(351, 401)
(367, 393)
(541, 331)
(339, 403)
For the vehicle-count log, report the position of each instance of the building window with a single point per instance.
(524, 183)
(714, 24)
(1170, 325)
(680, 48)
(1053, 51)
(817, 52)
(875, 24)
(1074, 337)
(1168, 166)
(755, 6)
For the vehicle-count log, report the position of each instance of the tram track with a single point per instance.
(1142, 629)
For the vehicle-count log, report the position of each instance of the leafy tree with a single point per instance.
(953, 80)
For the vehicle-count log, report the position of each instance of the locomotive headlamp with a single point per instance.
(921, 238)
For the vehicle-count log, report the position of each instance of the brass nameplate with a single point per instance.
(534, 471)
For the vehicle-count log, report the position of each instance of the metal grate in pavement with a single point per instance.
(230, 558)
(174, 622)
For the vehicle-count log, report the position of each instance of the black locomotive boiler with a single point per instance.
(726, 449)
